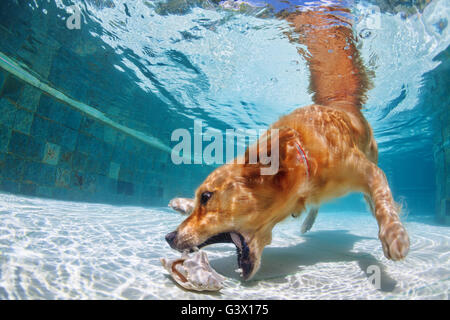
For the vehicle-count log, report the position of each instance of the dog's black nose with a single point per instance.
(170, 237)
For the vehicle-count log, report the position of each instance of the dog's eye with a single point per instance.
(205, 197)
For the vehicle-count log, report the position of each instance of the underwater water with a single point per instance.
(86, 118)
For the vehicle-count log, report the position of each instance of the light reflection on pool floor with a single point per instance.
(65, 250)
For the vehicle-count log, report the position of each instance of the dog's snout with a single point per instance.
(170, 238)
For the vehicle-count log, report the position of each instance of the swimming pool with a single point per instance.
(88, 109)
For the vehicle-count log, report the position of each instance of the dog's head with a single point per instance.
(237, 204)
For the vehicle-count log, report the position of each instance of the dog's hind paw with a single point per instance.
(395, 240)
(309, 221)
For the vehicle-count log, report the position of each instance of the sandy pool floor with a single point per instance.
(65, 250)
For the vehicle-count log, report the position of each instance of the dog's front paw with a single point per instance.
(395, 240)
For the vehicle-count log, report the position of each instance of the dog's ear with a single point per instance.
(276, 145)
(280, 141)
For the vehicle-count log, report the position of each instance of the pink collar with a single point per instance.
(302, 154)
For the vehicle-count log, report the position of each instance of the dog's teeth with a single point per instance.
(238, 271)
(236, 239)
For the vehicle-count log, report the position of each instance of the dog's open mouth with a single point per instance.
(243, 251)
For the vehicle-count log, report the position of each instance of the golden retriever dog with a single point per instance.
(326, 150)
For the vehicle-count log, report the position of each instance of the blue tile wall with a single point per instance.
(435, 97)
(48, 149)
(89, 161)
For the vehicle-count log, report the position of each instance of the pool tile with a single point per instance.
(92, 165)
(23, 120)
(85, 144)
(32, 172)
(69, 138)
(51, 153)
(139, 176)
(77, 179)
(25, 146)
(39, 128)
(111, 186)
(47, 175)
(84, 181)
(39, 173)
(125, 188)
(12, 88)
(104, 150)
(109, 135)
(55, 132)
(114, 169)
(5, 135)
(51, 108)
(79, 161)
(13, 168)
(90, 184)
(65, 158)
(92, 127)
(63, 176)
(72, 119)
(126, 174)
(29, 99)
(103, 166)
(7, 112)
(44, 106)
(130, 144)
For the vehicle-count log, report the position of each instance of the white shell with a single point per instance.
(182, 205)
(194, 272)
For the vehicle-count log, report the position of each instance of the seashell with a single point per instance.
(194, 272)
(182, 205)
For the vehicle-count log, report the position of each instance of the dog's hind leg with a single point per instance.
(309, 220)
(182, 205)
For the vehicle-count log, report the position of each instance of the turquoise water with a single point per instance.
(85, 137)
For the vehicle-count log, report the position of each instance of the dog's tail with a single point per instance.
(338, 76)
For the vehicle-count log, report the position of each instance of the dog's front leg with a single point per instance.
(393, 235)
(182, 205)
